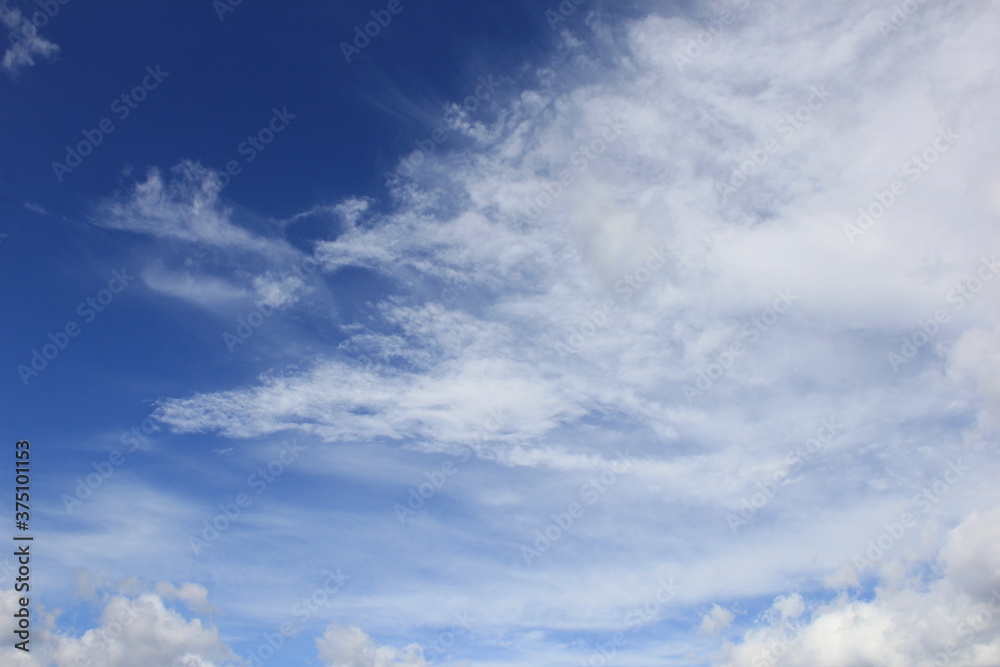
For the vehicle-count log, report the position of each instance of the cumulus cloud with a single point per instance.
(195, 596)
(716, 620)
(133, 632)
(351, 647)
(953, 619)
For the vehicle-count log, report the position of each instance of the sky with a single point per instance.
(578, 333)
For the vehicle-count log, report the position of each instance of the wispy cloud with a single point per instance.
(207, 251)
(25, 42)
(541, 229)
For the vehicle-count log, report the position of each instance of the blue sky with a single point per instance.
(524, 333)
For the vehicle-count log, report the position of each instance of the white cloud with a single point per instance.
(976, 357)
(716, 620)
(351, 647)
(508, 291)
(25, 42)
(501, 266)
(195, 596)
(952, 620)
(207, 252)
(277, 291)
(185, 206)
(205, 290)
(133, 632)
